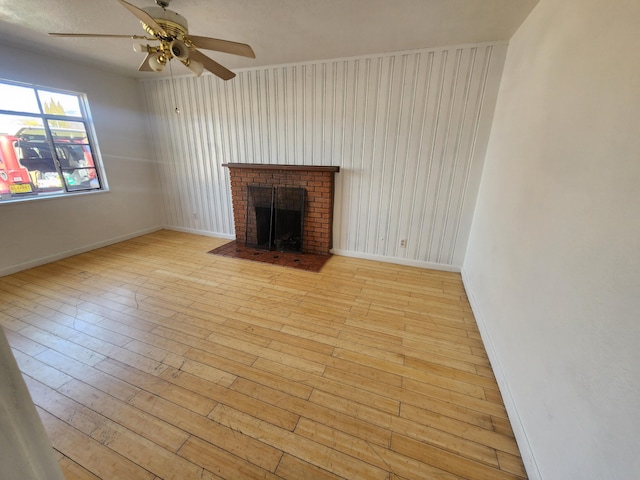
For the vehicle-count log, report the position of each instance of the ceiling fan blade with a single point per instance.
(144, 66)
(225, 46)
(145, 18)
(98, 35)
(211, 65)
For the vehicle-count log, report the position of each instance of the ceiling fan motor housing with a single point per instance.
(173, 23)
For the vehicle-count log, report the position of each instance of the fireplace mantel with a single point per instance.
(317, 180)
(267, 166)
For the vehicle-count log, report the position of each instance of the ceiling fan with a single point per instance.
(171, 31)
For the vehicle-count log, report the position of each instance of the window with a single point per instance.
(46, 147)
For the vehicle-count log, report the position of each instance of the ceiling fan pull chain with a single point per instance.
(173, 87)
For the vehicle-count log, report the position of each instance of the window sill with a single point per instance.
(14, 201)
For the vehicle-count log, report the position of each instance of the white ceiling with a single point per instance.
(280, 31)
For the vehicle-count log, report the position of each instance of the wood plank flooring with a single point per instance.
(151, 359)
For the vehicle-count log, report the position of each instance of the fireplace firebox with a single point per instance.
(275, 218)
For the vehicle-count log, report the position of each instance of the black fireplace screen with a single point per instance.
(289, 218)
(259, 216)
(275, 218)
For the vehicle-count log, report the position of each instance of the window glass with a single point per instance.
(18, 99)
(59, 103)
(74, 154)
(48, 152)
(14, 124)
(36, 157)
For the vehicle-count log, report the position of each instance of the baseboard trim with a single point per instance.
(399, 261)
(204, 233)
(528, 458)
(75, 251)
(344, 253)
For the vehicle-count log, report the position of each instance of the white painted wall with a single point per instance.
(553, 262)
(25, 451)
(44, 230)
(408, 130)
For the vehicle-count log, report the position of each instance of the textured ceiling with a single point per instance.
(280, 31)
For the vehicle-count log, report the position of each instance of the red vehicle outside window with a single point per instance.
(14, 178)
(28, 164)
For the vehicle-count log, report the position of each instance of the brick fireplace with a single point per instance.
(319, 183)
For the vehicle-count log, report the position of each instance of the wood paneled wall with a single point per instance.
(408, 130)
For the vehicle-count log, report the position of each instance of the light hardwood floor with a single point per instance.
(151, 359)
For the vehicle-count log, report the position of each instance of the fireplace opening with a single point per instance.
(275, 218)
(259, 217)
(289, 219)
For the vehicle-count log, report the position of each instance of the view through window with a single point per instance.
(46, 147)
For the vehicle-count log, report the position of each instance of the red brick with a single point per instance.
(319, 201)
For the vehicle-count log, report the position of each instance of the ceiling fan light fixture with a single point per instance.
(157, 62)
(140, 48)
(179, 50)
(196, 67)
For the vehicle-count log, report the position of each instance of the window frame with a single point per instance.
(89, 163)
